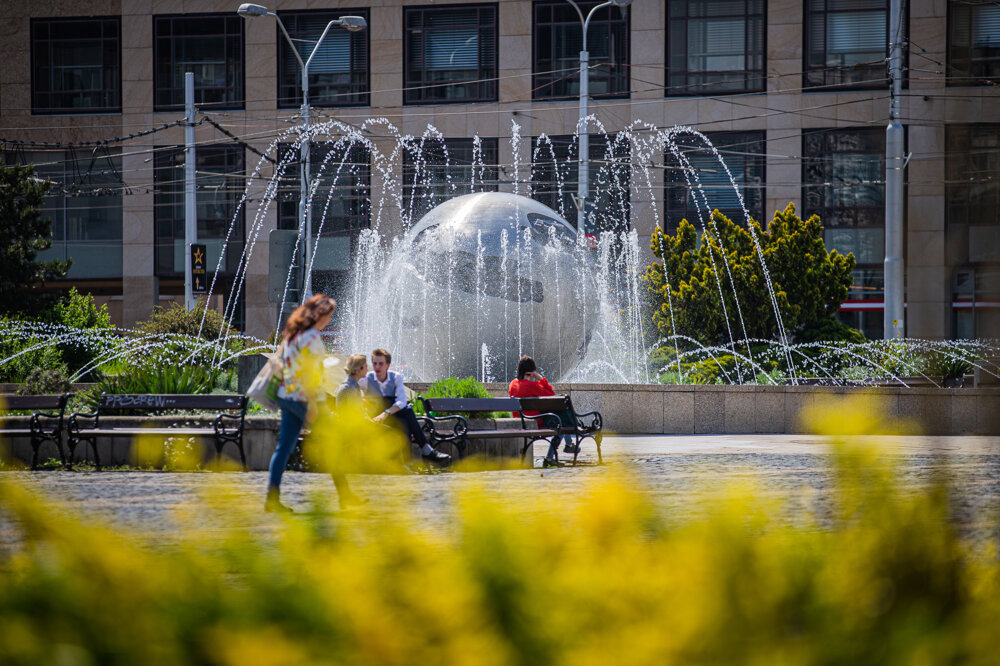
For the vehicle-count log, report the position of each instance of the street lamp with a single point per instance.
(583, 188)
(352, 24)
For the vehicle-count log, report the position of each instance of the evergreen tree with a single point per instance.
(23, 233)
(706, 278)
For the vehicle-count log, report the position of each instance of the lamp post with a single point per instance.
(583, 186)
(353, 24)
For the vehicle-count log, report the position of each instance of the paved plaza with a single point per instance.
(671, 470)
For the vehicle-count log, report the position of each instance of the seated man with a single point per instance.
(383, 382)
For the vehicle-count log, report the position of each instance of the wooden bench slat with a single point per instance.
(442, 405)
(142, 402)
(10, 402)
(113, 432)
(482, 434)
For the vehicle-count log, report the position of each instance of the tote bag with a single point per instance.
(264, 387)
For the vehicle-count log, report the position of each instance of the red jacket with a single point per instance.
(525, 388)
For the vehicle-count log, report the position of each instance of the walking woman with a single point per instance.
(301, 390)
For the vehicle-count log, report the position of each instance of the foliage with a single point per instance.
(24, 232)
(453, 387)
(80, 311)
(42, 381)
(175, 318)
(191, 379)
(20, 367)
(877, 573)
(809, 282)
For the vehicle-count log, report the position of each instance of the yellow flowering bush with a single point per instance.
(875, 574)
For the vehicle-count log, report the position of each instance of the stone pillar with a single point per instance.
(140, 286)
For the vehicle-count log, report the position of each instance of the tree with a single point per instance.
(718, 288)
(24, 232)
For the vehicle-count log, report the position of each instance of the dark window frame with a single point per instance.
(414, 90)
(166, 195)
(960, 155)
(489, 181)
(83, 182)
(359, 97)
(36, 40)
(824, 161)
(969, 79)
(332, 282)
(289, 188)
(827, 72)
(695, 90)
(237, 103)
(674, 180)
(566, 160)
(543, 80)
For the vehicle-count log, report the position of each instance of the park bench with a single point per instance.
(44, 426)
(225, 428)
(445, 426)
(579, 426)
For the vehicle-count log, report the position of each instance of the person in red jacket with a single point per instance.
(530, 384)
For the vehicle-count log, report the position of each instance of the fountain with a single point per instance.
(479, 280)
(485, 277)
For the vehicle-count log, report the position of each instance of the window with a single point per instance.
(743, 153)
(85, 206)
(972, 214)
(451, 54)
(843, 181)
(972, 174)
(440, 171)
(338, 75)
(75, 65)
(715, 46)
(555, 174)
(846, 43)
(219, 186)
(558, 38)
(340, 208)
(973, 42)
(211, 47)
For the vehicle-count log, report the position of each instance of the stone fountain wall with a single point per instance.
(725, 409)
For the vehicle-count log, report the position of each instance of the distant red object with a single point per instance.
(591, 241)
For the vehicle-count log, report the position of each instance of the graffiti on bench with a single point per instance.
(125, 401)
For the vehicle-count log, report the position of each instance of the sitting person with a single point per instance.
(348, 393)
(388, 385)
(530, 384)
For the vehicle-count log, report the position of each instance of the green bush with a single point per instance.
(175, 318)
(80, 311)
(18, 369)
(43, 381)
(453, 387)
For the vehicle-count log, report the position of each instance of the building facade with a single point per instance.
(794, 94)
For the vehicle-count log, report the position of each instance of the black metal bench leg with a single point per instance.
(97, 456)
(35, 445)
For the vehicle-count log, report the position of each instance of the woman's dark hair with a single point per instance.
(307, 314)
(525, 365)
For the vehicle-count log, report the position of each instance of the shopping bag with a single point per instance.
(264, 387)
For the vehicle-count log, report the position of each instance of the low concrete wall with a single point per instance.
(695, 410)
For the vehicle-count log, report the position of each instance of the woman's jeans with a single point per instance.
(293, 417)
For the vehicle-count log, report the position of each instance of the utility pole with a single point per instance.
(190, 202)
(894, 313)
